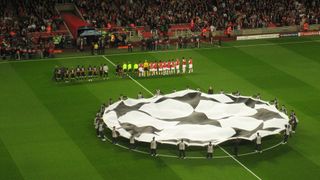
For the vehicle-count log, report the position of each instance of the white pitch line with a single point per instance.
(140, 85)
(113, 64)
(130, 77)
(245, 167)
(166, 51)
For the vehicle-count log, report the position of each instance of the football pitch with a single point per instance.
(46, 128)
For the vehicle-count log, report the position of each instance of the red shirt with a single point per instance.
(177, 62)
(184, 62)
(190, 61)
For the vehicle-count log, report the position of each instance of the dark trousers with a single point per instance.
(97, 131)
(105, 74)
(153, 152)
(114, 140)
(132, 146)
(258, 147)
(101, 50)
(294, 126)
(285, 138)
(101, 133)
(182, 153)
(209, 155)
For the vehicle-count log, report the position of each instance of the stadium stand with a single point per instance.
(29, 28)
(38, 24)
(199, 14)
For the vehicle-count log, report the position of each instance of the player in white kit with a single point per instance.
(190, 65)
(184, 65)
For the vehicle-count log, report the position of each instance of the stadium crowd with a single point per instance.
(216, 14)
(18, 18)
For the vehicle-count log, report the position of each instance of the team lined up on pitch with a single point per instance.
(82, 73)
(142, 69)
(156, 68)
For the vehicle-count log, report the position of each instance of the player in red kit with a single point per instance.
(141, 71)
(151, 68)
(155, 68)
(172, 67)
(163, 68)
(160, 67)
(167, 64)
(177, 66)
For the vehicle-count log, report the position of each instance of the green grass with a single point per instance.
(46, 128)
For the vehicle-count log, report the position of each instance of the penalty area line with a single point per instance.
(130, 77)
(245, 167)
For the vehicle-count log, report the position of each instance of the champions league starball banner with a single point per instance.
(196, 117)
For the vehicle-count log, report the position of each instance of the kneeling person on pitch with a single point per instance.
(258, 143)
(210, 90)
(293, 121)
(132, 142)
(96, 125)
(286, 133)
(182, 149)
(209, 150)
(153, 147)
(101, 130)
(114, 135)
(140, 96)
